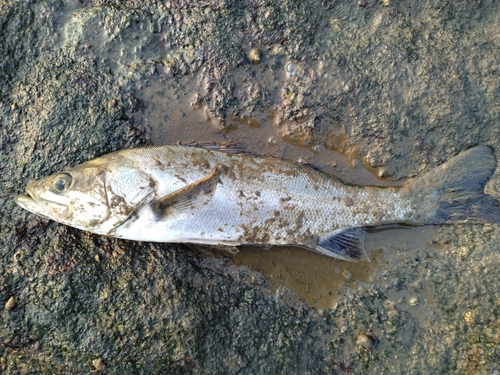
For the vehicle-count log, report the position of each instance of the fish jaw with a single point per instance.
(30, 204)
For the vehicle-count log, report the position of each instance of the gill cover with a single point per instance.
(127, 189)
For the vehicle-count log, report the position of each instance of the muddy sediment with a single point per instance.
(373, 92)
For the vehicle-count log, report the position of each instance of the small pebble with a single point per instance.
(112, 103)
(290, 68)
(10, 304)
(365, 341)
(255, 55)
(98, 365)
(292, 71)
(463, 251)
(382, 172)
(470, 318)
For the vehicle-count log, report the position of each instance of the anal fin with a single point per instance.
(348, 244)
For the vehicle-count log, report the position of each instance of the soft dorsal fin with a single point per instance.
(348, 245)
(189, 197)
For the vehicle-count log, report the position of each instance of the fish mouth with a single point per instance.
(28, 203)
(45, 208)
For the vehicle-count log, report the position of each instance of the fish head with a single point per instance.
(96, 196)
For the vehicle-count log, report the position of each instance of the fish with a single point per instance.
(184, 194)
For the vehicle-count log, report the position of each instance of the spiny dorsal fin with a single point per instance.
(190, 196)
(347, 245)
(235, 148)
(228, 148)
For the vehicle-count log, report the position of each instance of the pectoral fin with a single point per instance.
(348, 244)
(190, 197)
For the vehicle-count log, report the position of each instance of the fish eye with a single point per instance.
(62, 182)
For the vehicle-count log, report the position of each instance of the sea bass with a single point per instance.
(188, 194)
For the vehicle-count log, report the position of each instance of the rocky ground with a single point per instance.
(399, 86)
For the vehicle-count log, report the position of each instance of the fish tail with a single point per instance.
(454, 192)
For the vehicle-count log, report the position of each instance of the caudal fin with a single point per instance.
(454, 192)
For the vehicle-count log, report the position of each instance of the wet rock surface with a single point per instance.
(399, 87)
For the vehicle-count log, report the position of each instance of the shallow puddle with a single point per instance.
(311, 277)
(317, 279)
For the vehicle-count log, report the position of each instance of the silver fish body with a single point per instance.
(188, 194)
